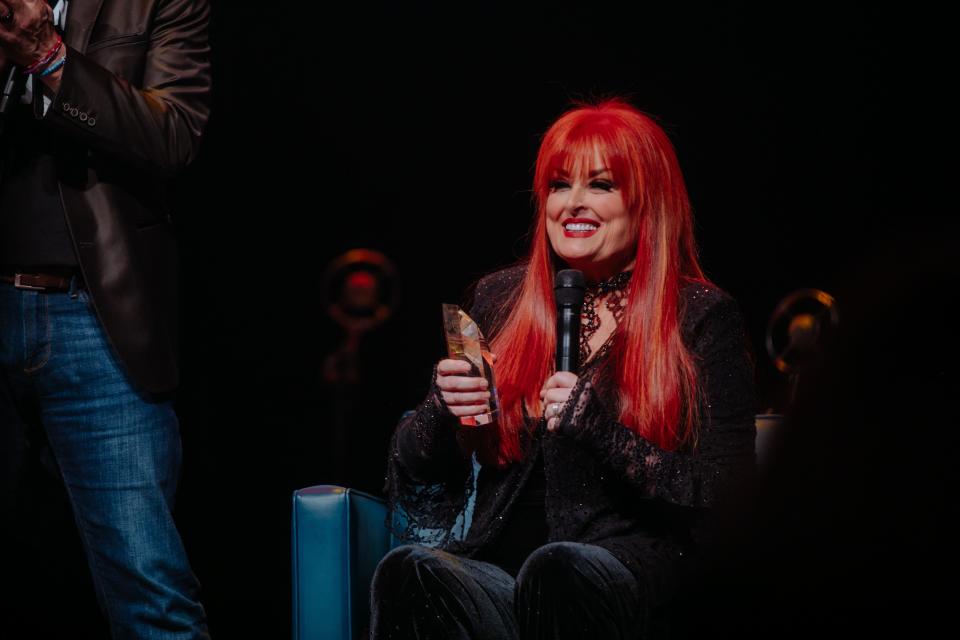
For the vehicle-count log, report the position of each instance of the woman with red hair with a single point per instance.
(595, 490)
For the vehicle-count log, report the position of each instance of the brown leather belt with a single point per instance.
(40, 281)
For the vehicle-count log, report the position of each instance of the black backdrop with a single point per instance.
(412, 130)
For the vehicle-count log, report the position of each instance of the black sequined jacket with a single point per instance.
(605, 485)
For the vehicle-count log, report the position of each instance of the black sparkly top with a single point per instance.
(605, 485)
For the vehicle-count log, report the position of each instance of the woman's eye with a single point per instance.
(603, 185)
(556, 185)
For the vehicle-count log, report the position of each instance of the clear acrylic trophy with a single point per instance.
(466, 342)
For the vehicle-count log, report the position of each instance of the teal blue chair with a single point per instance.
(338, 537)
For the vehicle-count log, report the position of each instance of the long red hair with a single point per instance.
(654, 372)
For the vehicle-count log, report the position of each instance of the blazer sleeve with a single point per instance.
(157, 126)
(723, 456)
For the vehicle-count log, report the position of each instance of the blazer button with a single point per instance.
(66, 106)
(83, 116)
(92, 122)
(74, 111)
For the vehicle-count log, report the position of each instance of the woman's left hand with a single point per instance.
(554, 395)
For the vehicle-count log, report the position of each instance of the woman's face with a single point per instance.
(588, 223)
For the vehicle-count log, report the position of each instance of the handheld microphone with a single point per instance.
(568, 290)
(9, 89)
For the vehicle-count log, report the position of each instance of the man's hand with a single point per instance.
(26, 31)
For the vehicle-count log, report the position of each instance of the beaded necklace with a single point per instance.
(614, 288)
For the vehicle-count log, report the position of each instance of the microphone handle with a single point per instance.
(9, 88)
(9, 82)
(568, 338)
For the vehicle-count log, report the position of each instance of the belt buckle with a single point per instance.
(19, 284)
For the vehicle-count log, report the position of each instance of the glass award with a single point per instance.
(466, 342)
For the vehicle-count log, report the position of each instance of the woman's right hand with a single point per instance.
(464, 394)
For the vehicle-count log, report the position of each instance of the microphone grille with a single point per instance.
(569, 286)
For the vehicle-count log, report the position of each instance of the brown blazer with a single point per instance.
(132, 106)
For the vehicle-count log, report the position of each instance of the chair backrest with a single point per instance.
(338, 538)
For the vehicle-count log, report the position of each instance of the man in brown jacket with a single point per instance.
(104, 100)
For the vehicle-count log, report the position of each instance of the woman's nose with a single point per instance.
(575, 199)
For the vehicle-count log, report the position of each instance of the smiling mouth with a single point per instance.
(580, 228)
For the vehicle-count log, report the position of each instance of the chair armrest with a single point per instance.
(338, 537)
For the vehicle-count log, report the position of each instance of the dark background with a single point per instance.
(807, 135)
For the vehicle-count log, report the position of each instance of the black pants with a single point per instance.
(563, 590)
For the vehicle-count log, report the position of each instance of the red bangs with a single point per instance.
(589, 141)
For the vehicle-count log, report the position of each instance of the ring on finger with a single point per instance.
(553, 409)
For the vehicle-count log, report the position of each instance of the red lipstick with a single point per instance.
(588, 228)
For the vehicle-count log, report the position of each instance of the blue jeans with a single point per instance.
(118, 453)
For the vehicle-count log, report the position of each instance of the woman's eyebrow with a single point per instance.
(596, 172)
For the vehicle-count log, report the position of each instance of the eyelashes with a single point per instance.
(597, 185)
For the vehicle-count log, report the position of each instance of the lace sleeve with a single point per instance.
(429, 473)
(723, 454)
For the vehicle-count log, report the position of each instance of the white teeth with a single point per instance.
(580, 226)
